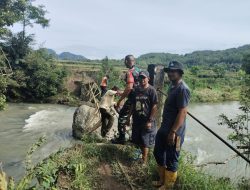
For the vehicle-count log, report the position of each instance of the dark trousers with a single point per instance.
(107, 121)
(123, 118)
(103, 90)
(166, 155)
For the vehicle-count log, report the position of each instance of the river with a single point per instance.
(22, 124)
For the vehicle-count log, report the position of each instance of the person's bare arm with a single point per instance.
(177, 124)
(125, 93)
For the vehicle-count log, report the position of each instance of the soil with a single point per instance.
(108, 180)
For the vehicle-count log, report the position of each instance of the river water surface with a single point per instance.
(22, 124)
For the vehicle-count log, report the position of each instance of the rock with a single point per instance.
(84, 119)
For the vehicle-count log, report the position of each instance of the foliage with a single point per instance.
(231, 57)
(193, 178)
(45, 78)
(246, 63)
(240, 124)
(31, 14)
(38, 78)
(194, 70)
(3, 85)
(114, 74)
(17, 47)
(25, 182)
(10, 13)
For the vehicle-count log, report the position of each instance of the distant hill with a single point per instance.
(228, 56)
(66, 56)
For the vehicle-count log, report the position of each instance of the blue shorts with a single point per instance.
(142, 136)
(166, 155)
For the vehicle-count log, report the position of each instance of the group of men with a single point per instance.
(141, 104)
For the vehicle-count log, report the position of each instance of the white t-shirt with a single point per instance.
(107, 101)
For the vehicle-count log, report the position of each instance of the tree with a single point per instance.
(17, 46)
(31, 15)
(246, 63)
(106, 66)
(194, 70)
(45, 79)
(10, 13)
(219, 70)
(240, 124)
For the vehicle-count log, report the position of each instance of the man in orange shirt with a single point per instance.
(104, 85)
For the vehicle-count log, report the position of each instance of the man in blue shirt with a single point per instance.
(170, 136)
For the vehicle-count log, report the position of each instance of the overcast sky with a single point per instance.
(95, 28)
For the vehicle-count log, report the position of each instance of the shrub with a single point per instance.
(3, 84)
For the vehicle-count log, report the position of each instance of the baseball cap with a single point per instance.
(144, 73)
(174, 65)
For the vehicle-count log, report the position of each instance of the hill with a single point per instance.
(206, 57)
(66, 56)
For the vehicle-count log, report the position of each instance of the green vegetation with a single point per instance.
(81, 168)
(209, 84)
(232, 57)
(35, 77)
(115, 75)
(240, 124)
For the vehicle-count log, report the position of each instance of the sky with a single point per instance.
(114, 28)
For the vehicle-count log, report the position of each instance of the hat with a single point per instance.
(174, 65)
(144, 73)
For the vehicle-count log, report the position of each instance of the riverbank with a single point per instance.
(95, 164)
(27, 122)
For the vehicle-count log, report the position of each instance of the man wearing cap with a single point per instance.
(170, 136)
(144, 107)
(131, 80)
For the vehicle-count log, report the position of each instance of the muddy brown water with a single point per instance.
(22, 124)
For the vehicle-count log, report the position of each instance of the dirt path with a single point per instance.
(108, 180)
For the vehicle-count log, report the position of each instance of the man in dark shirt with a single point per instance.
(170, 136)
(144, 101)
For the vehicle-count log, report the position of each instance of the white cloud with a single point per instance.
(95, 28)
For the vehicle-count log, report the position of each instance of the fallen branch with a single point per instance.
(243, 147)
(217, 162)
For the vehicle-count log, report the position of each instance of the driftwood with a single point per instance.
(243, 147)
(217, 162)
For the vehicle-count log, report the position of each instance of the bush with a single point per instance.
(37, 79)
(45, 78)
(3, 84)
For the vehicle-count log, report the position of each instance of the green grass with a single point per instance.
(76, 168)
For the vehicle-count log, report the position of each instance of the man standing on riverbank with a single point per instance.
(143, 113)
(170, 136)
(131, 81)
